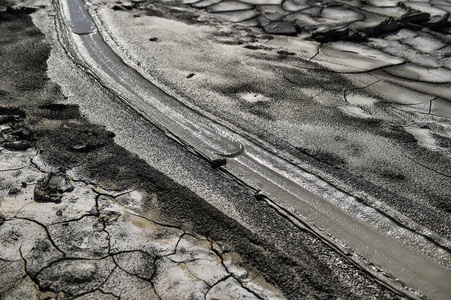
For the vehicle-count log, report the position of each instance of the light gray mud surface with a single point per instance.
(82, 218)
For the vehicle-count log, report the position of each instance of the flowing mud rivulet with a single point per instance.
(222, 149)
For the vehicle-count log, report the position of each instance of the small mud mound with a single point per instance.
(52, 187)
(14, 135)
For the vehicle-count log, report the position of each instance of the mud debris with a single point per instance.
(280, 28)
(52, 187)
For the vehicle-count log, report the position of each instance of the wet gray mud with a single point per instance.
(34, 113)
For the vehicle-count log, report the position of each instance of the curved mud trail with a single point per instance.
(295, 193)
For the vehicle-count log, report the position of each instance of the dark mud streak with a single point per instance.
(115, 96)
(427, 167)
(351, 72)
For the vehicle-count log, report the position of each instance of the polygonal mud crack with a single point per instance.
(137, 263)
(229, 288)
(23, 239)
(83, 238)
(127, 286)
(175, 282)
(76, 276)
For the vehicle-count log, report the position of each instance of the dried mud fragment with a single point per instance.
(280, 28)
(52, 187)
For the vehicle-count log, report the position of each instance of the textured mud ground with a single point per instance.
(44, 255)
(380, 124)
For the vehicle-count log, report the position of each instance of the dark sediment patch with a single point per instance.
(324, 157)
(285, 53)
(257, 47)
(442, 141)
(280, 28)
(60, 111)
